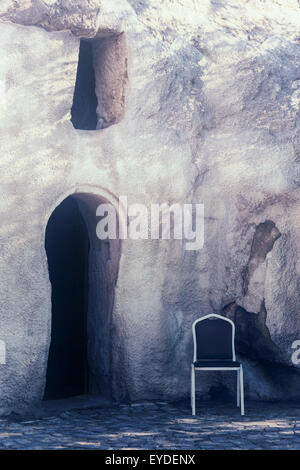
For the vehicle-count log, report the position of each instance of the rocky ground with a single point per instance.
(156, 425)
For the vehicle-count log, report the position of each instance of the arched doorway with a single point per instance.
(67, 247)
(83, 272)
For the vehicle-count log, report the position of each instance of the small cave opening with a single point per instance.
(83, 111)
(101, 79)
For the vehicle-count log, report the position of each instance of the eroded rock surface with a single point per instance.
(210, 114)
(80, 17)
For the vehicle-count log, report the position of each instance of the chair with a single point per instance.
(214, 349)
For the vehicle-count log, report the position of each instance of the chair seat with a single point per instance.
(212, 363)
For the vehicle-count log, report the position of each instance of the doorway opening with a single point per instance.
(67, 247)
(83, 273)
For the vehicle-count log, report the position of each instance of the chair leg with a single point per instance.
(238, 401)
(242, 390)
(191, 386)
(193, 400)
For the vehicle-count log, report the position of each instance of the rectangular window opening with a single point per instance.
(99, 94)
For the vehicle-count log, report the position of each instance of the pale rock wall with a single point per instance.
(211, 116)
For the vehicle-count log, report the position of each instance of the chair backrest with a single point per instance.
(213, 338)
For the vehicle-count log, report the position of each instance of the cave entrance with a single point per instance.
(67, 247)
(83, 272)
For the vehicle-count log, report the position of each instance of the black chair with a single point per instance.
(214, 350)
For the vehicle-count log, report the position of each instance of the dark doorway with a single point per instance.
(67, 247)
(83, 112)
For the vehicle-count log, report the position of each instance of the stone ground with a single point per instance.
(156, 425)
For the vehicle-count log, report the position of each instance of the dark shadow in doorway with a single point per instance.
(67, 247)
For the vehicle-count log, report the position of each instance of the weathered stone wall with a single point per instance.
(211, 115)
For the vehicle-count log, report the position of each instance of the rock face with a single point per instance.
(198, 102)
